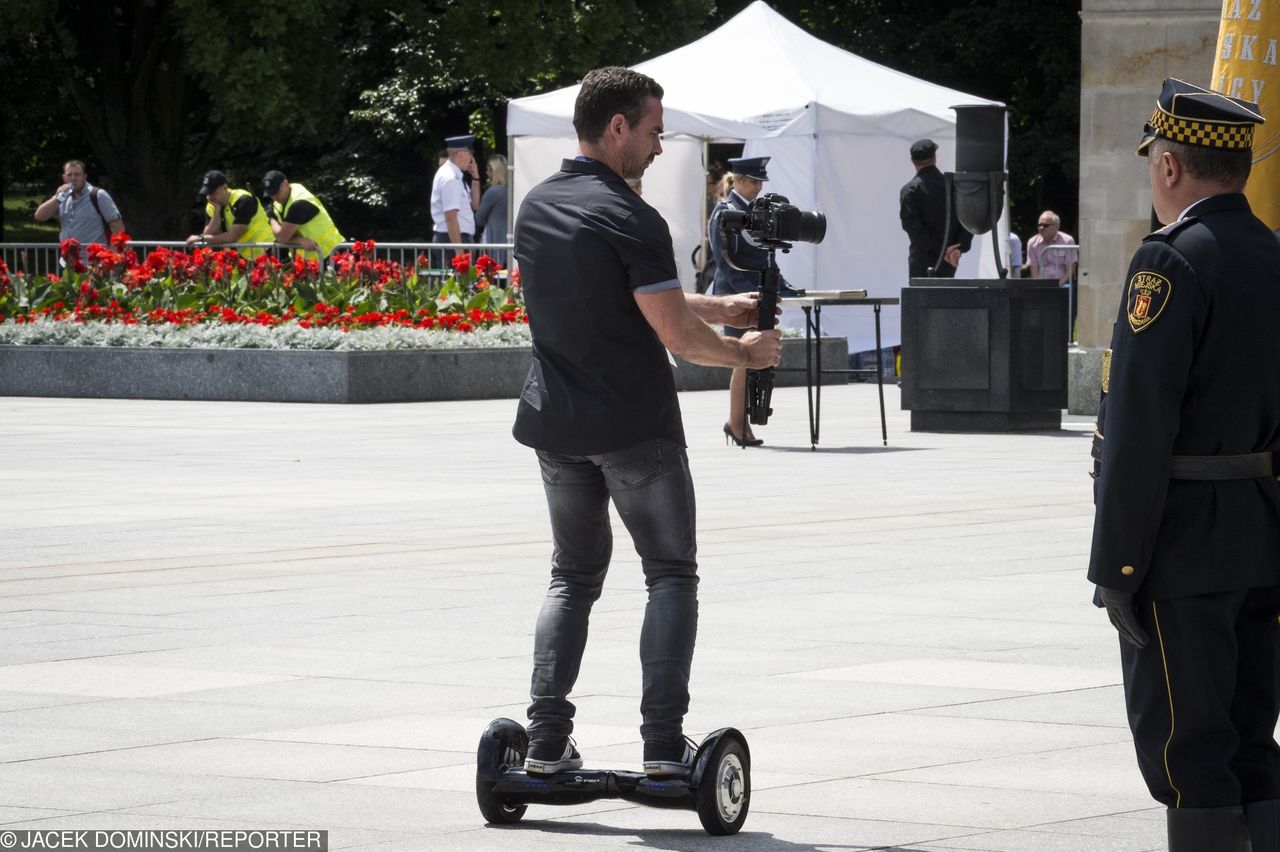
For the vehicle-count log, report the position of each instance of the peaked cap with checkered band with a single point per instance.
(1194, 116)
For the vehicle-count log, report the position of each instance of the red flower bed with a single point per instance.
(205, 285)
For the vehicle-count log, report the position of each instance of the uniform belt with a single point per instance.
(1246, 466)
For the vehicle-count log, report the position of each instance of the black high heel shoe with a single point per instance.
(741, 442)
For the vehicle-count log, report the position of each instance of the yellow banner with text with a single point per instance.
(1246, 66)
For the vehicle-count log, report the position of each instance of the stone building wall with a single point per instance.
(1127, 48)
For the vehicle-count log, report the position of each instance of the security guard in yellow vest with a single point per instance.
(1186, 538)
(232, 216)
(298, 218)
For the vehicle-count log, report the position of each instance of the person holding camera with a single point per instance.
(738, 188)
(599, 407)
(84, 212)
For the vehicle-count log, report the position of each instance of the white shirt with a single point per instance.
(448, 192)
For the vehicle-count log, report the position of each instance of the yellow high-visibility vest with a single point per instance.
(320, 228)
(259, 230)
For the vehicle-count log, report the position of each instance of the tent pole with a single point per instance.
(511, 194)
(706, 164)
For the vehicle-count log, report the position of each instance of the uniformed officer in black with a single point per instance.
(1186, 539)
(923, 210)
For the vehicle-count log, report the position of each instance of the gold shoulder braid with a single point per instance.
(1106, 371)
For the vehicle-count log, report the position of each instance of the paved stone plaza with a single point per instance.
(253, 615)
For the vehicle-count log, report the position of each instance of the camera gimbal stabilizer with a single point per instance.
(772, 223)
(760, 382)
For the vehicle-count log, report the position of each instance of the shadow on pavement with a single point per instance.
(692, 839)
(861, 451)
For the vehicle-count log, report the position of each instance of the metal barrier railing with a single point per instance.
(45, 259)
(1067, 256)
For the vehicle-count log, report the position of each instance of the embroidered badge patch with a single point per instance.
(1149, 292)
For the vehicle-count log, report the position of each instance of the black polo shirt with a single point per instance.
(600, 380)
(301, 213)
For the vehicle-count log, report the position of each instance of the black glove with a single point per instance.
(1123, 618)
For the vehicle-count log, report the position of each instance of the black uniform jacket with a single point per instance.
(1195, 370)
(922, 207)
(745, 253)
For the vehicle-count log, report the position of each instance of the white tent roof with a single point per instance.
(796, 83)
(837, 127)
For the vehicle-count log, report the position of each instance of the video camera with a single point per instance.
(773, 222)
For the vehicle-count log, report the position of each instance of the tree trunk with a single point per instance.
(124, 67)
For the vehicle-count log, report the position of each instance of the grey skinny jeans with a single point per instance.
(652, 489)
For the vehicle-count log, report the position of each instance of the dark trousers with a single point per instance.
(1203, 698)
(652, 490)
(440, 259)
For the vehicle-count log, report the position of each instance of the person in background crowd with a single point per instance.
(1044, 261)
(491, 216)
(922, 208)
(231, 216)
(298, 218)
(1015, 255)
(84, 212)
(453, 201)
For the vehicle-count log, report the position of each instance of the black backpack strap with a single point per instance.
(106, 226)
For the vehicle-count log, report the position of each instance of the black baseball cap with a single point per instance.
(271, 181)
(923, 149)
(212, 180)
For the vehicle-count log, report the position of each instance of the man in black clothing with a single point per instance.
(1186, 537)
(923, 210)
(599, 406)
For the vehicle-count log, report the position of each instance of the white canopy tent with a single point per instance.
(837, 127)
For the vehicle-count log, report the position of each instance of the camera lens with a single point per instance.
(812, 227)
(732, 221)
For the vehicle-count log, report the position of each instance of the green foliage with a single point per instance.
(355, 99)
(20, 225)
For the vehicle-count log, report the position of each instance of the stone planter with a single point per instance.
(274, 375)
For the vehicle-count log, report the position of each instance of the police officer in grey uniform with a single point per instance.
(1186, 538)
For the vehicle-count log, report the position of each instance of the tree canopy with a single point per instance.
(356, 98)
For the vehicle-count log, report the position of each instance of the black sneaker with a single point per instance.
(669, 758)
(547, 757)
